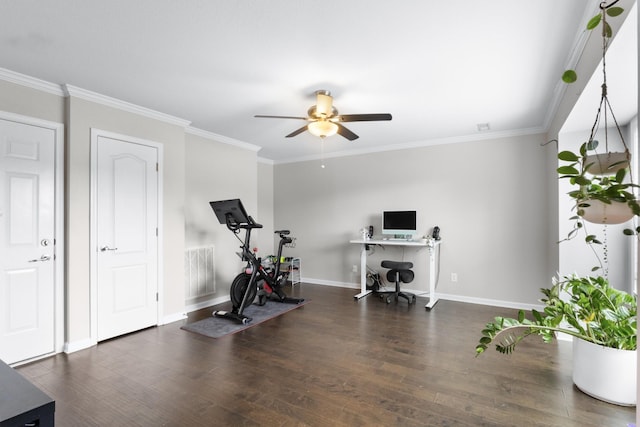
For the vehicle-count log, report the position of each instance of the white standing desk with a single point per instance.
(418, 244)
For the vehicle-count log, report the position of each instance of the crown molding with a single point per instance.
(221, 138)
(87, 95)
(266, 161)
(69, 90)
(30, 82)
(417, 144)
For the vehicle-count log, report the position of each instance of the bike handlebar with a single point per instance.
(251, 224)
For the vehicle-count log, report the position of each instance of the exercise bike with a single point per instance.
(265, 282)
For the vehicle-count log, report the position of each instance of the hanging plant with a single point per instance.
(604, 191)
(589, 309)
(570, 76)
(611, 193)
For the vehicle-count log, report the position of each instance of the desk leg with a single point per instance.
(363, 274)
(433, 299)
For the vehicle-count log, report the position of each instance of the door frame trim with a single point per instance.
(59, 247)
(93, 243)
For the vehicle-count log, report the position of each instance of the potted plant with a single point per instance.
(602, 193)
(603, 188)
(601, 319)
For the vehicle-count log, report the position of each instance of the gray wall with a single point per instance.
(81, 116)
(488, 198)
(266, 238)
(30, 102)
(217, 171)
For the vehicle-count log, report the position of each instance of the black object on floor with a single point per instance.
(22, 403)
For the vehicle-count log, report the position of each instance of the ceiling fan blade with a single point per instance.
(364, 117)
(346, 132)
(280, 117)
(297, 132)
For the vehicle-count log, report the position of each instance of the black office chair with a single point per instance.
(398, 272)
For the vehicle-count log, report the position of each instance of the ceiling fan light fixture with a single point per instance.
(323, 119)
(322, 128)
(324, 103)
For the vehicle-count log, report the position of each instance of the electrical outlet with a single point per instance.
(354, 268)
(454, 277)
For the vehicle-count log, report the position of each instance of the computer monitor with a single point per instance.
(230, 211)
(400, 224)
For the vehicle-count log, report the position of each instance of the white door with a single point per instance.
(126, 214)
(27, 226)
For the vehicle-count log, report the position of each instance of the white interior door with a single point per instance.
(126, 214)
(27, 227)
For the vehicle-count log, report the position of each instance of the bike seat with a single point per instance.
(282, 232)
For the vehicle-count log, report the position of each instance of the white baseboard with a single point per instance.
(450, 297)
(72, 347)
(330, 283)
(208, 303)
(170, 318)
(486, 301)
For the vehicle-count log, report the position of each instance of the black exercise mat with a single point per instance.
(218, 327)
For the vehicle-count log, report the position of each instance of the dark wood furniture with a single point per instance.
(22, 403)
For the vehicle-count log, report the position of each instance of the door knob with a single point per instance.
(42, 258)
(107, 248)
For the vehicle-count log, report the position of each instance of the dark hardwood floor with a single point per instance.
(332, 362)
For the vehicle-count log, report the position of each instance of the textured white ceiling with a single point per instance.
(440, 68)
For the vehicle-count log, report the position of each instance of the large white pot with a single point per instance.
(605, 373)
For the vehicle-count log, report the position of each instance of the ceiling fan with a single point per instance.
(325, 121)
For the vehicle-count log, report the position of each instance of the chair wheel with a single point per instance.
(388, 300)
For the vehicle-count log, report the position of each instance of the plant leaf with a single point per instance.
(614, 11)
(568, 156)
(568, 170)
(569, 76)
(581, 180)
(593, 22)
(536, 315)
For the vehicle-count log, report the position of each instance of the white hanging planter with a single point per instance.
(598, 212)
(607, 163)
(608, 374)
